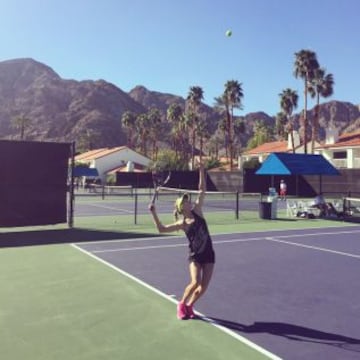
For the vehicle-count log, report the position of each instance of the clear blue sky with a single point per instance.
(169, 46)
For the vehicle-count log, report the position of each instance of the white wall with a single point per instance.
(296, 137)
(117, 159)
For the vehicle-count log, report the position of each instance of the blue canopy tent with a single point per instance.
(297, 164)
(85, 171)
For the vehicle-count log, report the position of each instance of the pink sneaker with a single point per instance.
(181, 311)
(190, 311)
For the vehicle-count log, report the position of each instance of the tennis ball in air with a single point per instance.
(228, 33)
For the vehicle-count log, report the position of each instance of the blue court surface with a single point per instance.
(292, 294)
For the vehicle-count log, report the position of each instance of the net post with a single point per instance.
(237, 206)
(136, 208)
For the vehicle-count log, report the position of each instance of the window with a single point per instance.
(339, 155)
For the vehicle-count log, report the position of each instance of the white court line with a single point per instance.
(138, 248)
(165, 246)
(153, 238)
(111, 208)
(226, 241)
(222, 234)
(320, 233)
(242, 339)
(313, 247)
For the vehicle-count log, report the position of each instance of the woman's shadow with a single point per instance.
(291, 332)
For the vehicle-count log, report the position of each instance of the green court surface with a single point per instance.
(59, 303)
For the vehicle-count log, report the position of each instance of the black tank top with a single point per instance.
(198, 236)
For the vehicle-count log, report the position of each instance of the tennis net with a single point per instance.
(107, 190)
(215, 201)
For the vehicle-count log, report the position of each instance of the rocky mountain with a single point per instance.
(336, 114)
(66, 110)
(162, 101)
(58, 109)
(156, 99)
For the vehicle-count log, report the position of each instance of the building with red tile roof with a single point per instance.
(108, 159)
(342, 151)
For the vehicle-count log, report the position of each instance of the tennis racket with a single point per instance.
(160, 178)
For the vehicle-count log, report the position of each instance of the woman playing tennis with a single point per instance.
(201, 252)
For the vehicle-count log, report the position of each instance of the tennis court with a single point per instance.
(284, 289)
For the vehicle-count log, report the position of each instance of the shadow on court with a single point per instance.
(59, 236)
(292, 332)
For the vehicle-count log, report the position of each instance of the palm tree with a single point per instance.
(88, 140)
(155, 129)
(128, 120)
(221, 107)
(195, 95)
(142, 128)
(21, 122)
(288, 102)
(239, 130)
(213, 145)
(281, 125)
(305, 65)
(175, 115)
(232, 97)
(262, 134)
(202, 131)
(322, 85)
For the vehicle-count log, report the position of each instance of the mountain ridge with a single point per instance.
(66, 109)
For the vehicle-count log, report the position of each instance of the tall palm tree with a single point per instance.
(21, 122)
(202, 131)
(322, 85)
(175, 115)
(305, 66)
(288, 102)
(194, 98)
(281, 125)
(155, 129)
(232, 97)
(239, 131)
(221, 107)
(128, 120)
(213, 145)
(142, 128)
